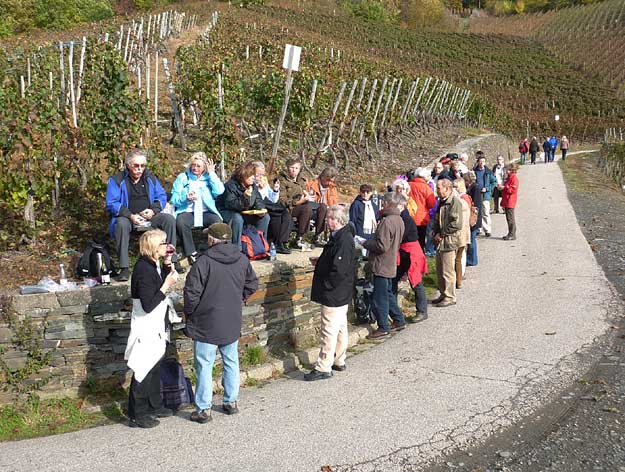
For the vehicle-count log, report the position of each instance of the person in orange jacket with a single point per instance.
(425, 199)
(323, 193)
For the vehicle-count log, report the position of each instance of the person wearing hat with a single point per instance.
(193, 196)
(219, 282)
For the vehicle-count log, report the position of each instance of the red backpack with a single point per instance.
(253, 243)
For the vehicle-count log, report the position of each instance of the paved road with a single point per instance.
(523, 329)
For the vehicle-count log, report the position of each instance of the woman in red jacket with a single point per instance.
(509, 192)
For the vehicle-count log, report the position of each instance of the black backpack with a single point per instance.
(176, 389)
(363, 306)
(88, 263)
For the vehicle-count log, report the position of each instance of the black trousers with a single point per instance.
(280, 225)
(422, 231)
(145, 396)
(123, 228)
(184, 225)
(511, 222)
(320, 218)
(496, 198)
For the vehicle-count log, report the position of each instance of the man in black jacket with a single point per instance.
(333, 288)
(217, 285)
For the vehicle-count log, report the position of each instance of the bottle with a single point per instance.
(62, 275)
(104, 273)
(272, 252)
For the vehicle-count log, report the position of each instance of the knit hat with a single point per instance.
(219, 231)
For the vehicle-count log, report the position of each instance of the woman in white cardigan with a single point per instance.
(148, 334)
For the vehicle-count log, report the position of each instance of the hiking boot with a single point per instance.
(417, 318)
(124, 275)
(444, 304)
(230, 408)
(145, 422)
(340, 368)
(162, 412)
(282, 249)
(317, 375)
(378, 334)
(201, 417)
(397, 327)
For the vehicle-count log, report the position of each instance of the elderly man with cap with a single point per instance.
(217, 285)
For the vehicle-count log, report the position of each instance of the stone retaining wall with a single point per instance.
(85, 330)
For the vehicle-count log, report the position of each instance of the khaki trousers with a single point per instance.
(446, 272)
(333, 337)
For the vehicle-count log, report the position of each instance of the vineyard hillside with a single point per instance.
(589, 37)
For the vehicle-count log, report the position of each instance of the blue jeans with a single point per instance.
(385, 303)
(237, 220)
(230, 379)
(430, 248)
(421, 302)
(472, 249)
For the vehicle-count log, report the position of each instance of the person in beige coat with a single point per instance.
(447, 231)
(460, 191)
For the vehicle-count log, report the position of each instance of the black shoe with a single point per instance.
(124, 275)
(146, 422)
(487, 235)
(397, 326)
(162, 412)
(179, 268)
(508, 238)
(339, 368)
(201, 417)
(316, 375)
(230, 408)
(282, 249)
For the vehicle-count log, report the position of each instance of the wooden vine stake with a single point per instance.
(174, 105)
(222, 149)
(290, 63)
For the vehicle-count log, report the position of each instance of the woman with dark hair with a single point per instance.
(473, 191)
(241, 203)
(148, 334)
(363, 213)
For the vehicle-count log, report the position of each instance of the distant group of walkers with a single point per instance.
(437, 213)
(549, 148)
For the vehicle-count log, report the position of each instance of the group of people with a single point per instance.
(549, 148)
(136, 200)
(445, 208)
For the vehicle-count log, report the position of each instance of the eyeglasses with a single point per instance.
(137, 166)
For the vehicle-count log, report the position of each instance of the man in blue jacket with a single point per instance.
(486, 181)
(135, 199)
(554, 146)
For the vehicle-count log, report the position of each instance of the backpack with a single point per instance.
(88, 263)
(176, 389)
(523, 147)
(253, 243)
(363, 306)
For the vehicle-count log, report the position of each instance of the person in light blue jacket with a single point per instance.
(198, 185)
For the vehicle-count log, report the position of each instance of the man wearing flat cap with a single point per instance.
(217, 285)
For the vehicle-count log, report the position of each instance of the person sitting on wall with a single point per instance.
(193, 196)
(241, 203)
(295, 197)
(135, 199)
(323, 193)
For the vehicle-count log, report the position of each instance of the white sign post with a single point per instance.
(290, 63)
(557, 117)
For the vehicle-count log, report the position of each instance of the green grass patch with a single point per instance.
(253, 355)
(46, 417)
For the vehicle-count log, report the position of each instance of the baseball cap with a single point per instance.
(219, 231)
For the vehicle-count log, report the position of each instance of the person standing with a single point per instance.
(148, 335)
(447, 231)
(333, 288)
(499, 171)
(524, 148)
(473, 191)
(135, 199)
(383, 259)
(486, 182)
(460, 191)
(547, 150)
(554, 147)
(564, 147)
(534, 148)
(509, 198)
(363, 213)
(219, 282)
(198, 185)
(424, 199)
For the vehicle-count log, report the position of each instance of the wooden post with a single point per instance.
(411, 92)
(285, 104)
(22, 86)
(81, 68)
(424, 89)
(369, 102)
(62, 64)
(174, 105)
(28, 70)
(346, 111)
(313, 94)
(327, 138)
(361, 94)
(401, 80)
(378, 105)
(121, 36)
(156, 91)
(147, 77)
(72, 94)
